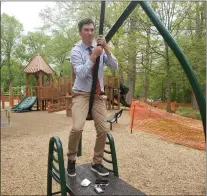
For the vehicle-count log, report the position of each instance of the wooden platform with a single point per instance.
(115, 187)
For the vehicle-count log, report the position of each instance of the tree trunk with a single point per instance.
(132, 59)
(147, 65)
(194, 102)
(146, 85)
(168, 82)
(10, 78)
(121, 73)
(184, 98)
(198, 36)
(163, 92)
(174, 94)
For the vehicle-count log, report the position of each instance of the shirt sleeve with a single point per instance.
(110, 60)
(81, 70)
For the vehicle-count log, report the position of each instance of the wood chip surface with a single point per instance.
(145, 160)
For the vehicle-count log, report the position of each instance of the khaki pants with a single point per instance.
(80, 106)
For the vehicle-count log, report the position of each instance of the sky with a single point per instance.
(25, 12)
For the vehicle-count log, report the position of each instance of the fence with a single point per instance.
(10, 97)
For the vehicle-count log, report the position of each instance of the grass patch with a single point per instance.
(186, 111)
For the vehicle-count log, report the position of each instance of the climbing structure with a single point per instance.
(51, 92)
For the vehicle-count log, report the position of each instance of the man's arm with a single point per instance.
(81, 70)
(108, 58)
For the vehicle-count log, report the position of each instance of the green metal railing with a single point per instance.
(113, 154)
(56, 173)
(132, 5)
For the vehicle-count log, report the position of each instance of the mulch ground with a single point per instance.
(169, 126)
(146, 160)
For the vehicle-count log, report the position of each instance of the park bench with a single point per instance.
(114, 118)
(72, 185)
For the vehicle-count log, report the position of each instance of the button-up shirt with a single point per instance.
(82, 66)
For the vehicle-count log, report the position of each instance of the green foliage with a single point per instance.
(187, 112)
(10, 34)
(11, 30)
(33, 43)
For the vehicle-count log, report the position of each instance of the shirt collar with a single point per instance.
(86, 46)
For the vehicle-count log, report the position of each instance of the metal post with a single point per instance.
(132, 5)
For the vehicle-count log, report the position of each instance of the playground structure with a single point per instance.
(10, 97)
(26, 104)
(50, 93)
(56, 94)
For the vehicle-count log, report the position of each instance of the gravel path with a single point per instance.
(148, 163)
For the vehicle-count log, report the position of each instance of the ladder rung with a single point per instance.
(55, 177)
(55, 193)
(55, 159)
(55, 168)
(108, 161)
(55, 149)
(107, 151)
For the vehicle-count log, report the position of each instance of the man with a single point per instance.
(83, 57)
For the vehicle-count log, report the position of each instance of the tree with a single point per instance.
(11, 30)
(33, 43)
(132, 56)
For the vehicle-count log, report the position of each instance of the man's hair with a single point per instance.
(85, 21)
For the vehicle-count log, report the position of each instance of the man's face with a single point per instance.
(87, 33)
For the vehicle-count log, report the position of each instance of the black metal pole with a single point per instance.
(102, 15)
(95, 71)
(108, 37)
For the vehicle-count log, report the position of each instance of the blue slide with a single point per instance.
(25, 105)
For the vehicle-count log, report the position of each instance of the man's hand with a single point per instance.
(102, 42)
(96, 52)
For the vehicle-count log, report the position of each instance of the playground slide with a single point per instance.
(124, 90)
(123, 102)
(16, 106)
(25, 105)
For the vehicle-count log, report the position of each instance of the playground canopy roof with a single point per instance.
(36, 64)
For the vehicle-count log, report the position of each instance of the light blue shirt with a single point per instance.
(82, 66)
